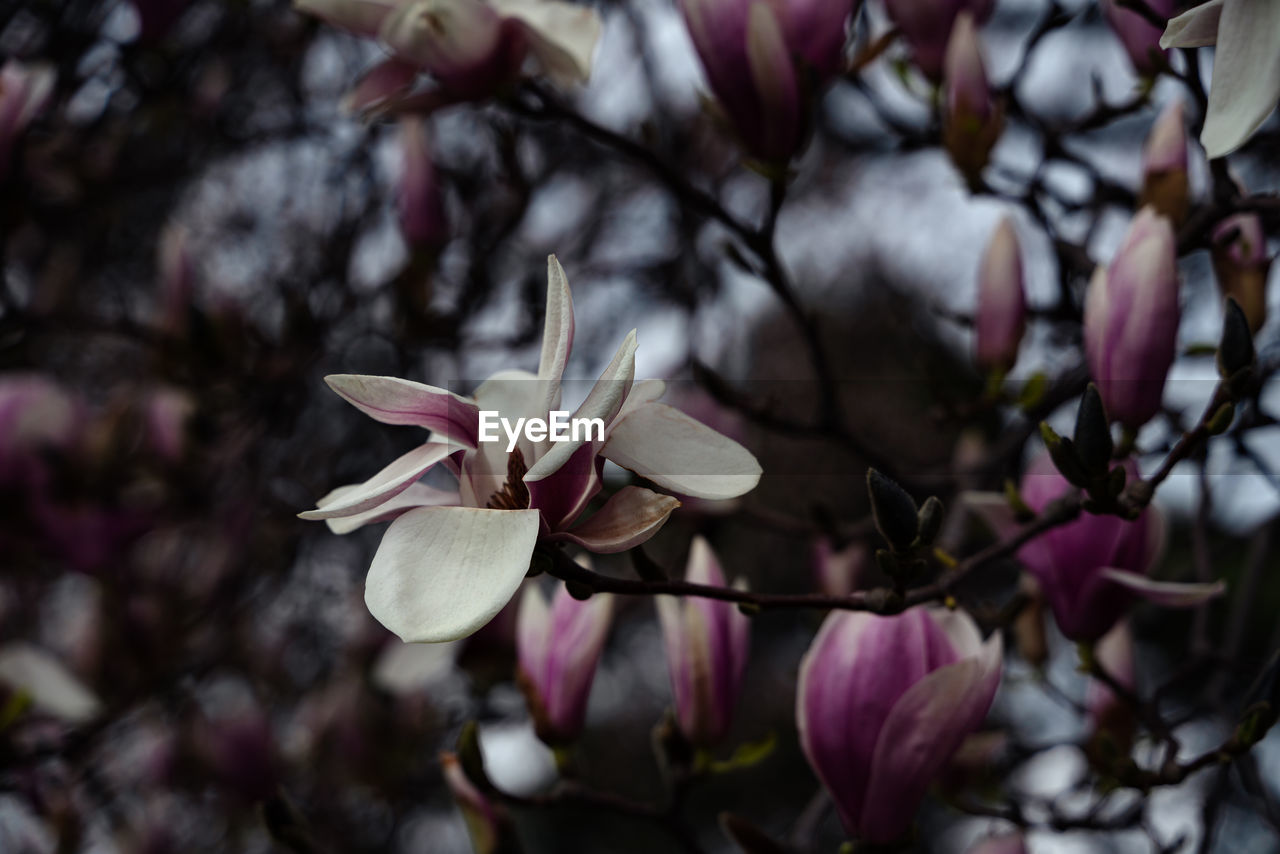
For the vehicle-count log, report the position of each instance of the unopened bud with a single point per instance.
(1164, 166)
(894, 511)
(1241, 265)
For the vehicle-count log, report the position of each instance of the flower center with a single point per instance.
(513, 495)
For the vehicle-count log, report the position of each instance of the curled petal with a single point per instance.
(1246, 75)
(441, 573)
(678, 453)
(383, 486)
(1167, 593)
(417, 495)
(562, 36)
(384, 85)
(630, 517)
(392, 400)
(557, 334)
(1196, 27)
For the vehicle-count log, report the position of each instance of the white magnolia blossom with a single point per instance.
(1246, 65)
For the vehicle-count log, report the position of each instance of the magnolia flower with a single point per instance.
(1246, 66)
(1002, 301)
(764, 58)
(972, 120)
(1241, 264)
(1164, 166)
(1140, 38)
(1093, 569)
(420, 202)
(884, 702)
(25, 91)
(1131, 319)
(559, 647)
(706, 643)
(451, 559)
(470, 47)
(926, 26)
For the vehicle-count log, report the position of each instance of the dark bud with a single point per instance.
(1093, 433)
(470, 757)
(894, 511)
(929, 520)
(1235, 351)
(1063, 453)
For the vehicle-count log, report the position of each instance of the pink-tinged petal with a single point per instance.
(395, 401)
(466, 45)
(678, 453)
(1140, 38)
(1166, 593)
(1246, 75)
(533, 630)
(562, 36)
(603, 401)
(1166, 147)
(513, 395)
(441, 573)
(1197, 27)
(579, 630)
(923, 730)
(815, 30)
(1002, 301)
(774, 77)
(563, 495)
(557, 333)
(383, 486)
(362, 17)
(630, 517)
(417, 495)
(52, 688)
(381, 87)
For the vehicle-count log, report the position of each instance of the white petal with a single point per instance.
(1246, 75)
(562, 36)
(392, 400)
(630, 517)
(383, 486)
(1193, 28)
(1167, 593)
(51, 687)
(417, 495)
(441, 573)
(678, 453)
(557, 334)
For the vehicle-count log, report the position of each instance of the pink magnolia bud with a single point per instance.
(558, 647)
(815, 33)
(1002, 301)
(1111, 716)
(466, 45)
(1093, 569)
(1164, 166)
(926, 27)
(422, 216)
(838, 572)
(1012, 843)
(1140, 38)
(744, 51)
(1241, 264)
(972, 120)
(1131, 319)
(884, 702)
(487, 823)
(25, 91)
(707, 643)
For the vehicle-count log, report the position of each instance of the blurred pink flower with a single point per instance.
(1002, 301)
(884, 702)
(926, 27)
(1140, 38)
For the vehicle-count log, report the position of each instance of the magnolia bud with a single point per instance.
(1164, 166)
(895, 512)
(707, 643)
(25, 90)
(1241, 264)
(1002, 301)
(926, 26)
(1141, 39)
(884, 702)
(467, 45)
(558, 647)
(972, 121)
(1112, 717)
(1131, 319)
(421, 204)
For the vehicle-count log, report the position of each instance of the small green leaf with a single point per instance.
(747, 755)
